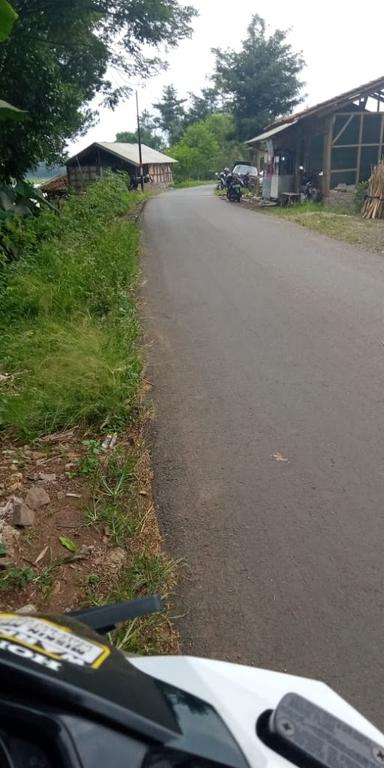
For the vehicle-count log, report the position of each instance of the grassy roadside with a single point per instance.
(71, 403)
(192, 183)
(336, 223)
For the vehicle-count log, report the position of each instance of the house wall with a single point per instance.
(343, 146)
(93, 164)
(357, 146)
(161, 173)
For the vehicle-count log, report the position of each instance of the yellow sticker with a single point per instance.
(52, 640)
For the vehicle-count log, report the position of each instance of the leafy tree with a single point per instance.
(201, 106)
(148, 133)
(172, 114)
(206, 147)
(195, 153)
(8, 17)
(222, 126)
(261, 81)
(56, 61)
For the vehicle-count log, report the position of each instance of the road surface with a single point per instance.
(266, 351)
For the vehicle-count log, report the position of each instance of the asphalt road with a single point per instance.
(266, 352)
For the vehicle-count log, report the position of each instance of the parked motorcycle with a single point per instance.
(70, 700)
(311, 193)
(221, 179)
(234, 186)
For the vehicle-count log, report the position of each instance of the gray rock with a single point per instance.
(8, 538)
(46, 477)
(25, 610)
(116, 558)
(36, 497)
(23, 516)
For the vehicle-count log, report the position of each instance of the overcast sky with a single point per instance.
(342, 43)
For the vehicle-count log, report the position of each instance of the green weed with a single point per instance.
(89, 463)
(45, 580)
(148, 574)
(113, 497)
(15, 578)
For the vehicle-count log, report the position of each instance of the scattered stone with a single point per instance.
(8, 538)
(16, 476)
(37, 497)
(69, 466)
(73, 495)
(86, 550)
(6, 508)
(116, 558)
(14, 487)
(46, 477)
(23, 516)
(60, 495)
(25, 610)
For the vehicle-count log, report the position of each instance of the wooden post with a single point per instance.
(381, 147)
(358, 162)
(99, 162)
(139, 143)
(298, 158)
(327, 156)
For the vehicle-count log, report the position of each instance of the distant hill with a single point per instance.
(44, 171)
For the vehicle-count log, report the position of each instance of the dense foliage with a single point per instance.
(67, 315)
(58, 58)
(205, 147)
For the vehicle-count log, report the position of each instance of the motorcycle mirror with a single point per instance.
(104, 618)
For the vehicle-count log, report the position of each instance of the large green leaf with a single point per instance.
(9, 112)
(7, 19)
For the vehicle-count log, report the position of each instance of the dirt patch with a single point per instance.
(82, 550)
(54, 581)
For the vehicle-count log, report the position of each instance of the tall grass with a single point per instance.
(68, 321)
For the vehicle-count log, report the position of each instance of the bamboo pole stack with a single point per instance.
(373, 207)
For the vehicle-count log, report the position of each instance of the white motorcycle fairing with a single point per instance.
(240, 694)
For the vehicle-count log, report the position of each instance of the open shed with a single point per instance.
(90, 164)
(335, 144)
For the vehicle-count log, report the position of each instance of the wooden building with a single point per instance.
(90, 164)
(336, 143)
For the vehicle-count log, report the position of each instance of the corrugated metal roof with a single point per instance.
(373, 86)
(267, 134)
(129, 152)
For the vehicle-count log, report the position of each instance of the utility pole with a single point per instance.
(139, 143)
